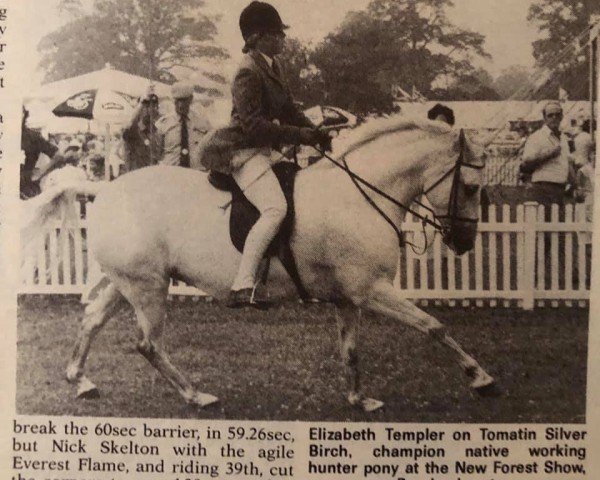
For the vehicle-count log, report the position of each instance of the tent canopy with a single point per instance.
(496, 114)
(41, 103)
(107, 79)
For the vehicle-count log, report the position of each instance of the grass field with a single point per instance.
(285, 365)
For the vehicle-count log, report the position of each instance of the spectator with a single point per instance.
(75, 150)
(546, 159)
(63, 143)
(142, 143)
(585, 193)
(71, 157)
(32, 144)
(585, 175)
(116, 154)
(96, 170)
(182, 131)
(584, 145)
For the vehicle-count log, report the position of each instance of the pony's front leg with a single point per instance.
(347, 324)
(387, 300)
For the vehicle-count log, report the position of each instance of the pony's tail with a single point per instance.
(54, 206)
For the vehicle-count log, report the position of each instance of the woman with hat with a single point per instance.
(264, 117)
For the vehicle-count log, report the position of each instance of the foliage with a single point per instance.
(474, 85)
(559, 22)
(393, 42)
(301, 75)
(512, 80)
(144, 37)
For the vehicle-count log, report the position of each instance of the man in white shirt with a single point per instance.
(182, 131)
(546, 158)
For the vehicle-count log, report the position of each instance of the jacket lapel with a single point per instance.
(262, 63)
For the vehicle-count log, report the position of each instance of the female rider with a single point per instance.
(264, 117)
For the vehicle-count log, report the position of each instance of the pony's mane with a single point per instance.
(373, 129)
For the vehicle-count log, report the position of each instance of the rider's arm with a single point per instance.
(296, 117)
(247, 100)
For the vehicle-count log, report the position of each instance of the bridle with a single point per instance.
(452, 216)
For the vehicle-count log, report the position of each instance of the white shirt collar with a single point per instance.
(550, 132)
(268, 59)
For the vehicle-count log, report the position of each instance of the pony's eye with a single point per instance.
(471, 189)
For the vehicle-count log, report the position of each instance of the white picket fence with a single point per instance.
(502, 170)
(518, 258)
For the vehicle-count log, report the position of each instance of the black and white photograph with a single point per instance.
(345, 211)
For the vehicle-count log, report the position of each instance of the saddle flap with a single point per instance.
(244, 215)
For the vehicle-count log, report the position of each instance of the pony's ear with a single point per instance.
(474, 153)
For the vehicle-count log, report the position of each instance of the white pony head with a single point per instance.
(453, 189)
(450, 169)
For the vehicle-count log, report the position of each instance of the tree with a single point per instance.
(150, 38)
(559, 23)
(393, 42)
(513, 80)
(475, 85)
(302, 75)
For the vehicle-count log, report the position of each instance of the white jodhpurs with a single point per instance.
(261, 187)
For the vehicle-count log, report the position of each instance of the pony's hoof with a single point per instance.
(86, 390)
(370, 404)
(364, 403)
(203, 400)
(480, 379)
(490, 390)
(309, 301)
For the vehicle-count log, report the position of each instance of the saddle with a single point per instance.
(244, 215)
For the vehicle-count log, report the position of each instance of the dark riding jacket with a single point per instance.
(263, 114)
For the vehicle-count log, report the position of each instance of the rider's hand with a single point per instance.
(315, 137)
(309, 136)
(324, 140)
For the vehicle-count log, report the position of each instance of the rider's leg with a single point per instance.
(261, 187)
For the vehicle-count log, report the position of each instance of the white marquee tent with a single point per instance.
(496, 114)
(48, 96)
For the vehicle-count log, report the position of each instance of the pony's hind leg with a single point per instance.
(347, 325)
(150, 306)
(96, 315)
(387, 300)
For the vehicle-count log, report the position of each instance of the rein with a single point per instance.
(452, 214)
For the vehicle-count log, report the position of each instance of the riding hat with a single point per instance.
(260, 17)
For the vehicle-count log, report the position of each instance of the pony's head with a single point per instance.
(453, 187)
(448, 167)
